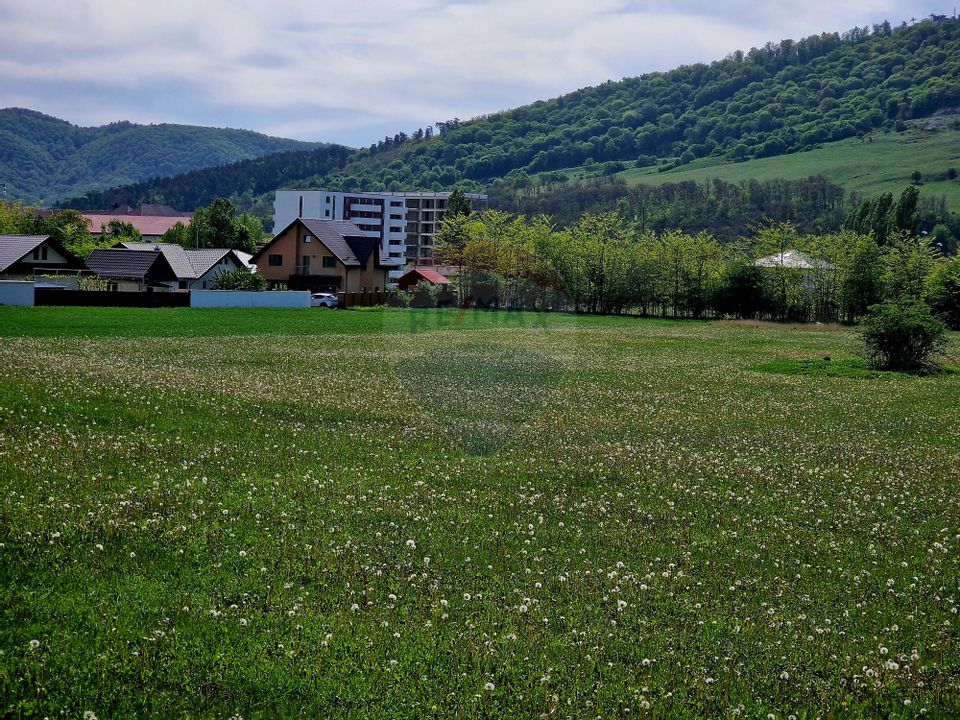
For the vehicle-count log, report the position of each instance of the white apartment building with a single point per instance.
(404, 222)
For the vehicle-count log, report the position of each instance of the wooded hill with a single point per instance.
(783, 98)
(43, 159)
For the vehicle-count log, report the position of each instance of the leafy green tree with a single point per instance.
(906, 216)
(943, 291)
(239, 279)
(118, 231)
(458, 204)
(908, 261)
(219, 226)
(741, 290)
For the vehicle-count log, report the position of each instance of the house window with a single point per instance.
(326, 213)
(329, 262)
(307, 238)
(275, 260)
(328, 199)
(306, 264)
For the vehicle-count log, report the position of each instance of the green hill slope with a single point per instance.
(43, 159)
(884, 163)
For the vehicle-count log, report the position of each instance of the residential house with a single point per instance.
(404, 223)
(414, 277)
(23, 256)
(325, 256)
(130, 271)
(195, 269)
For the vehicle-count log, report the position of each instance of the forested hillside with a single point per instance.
(783, 98)
(43, 159)
(250, 183)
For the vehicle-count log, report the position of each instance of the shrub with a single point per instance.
(902, 336)
(741, 291)
(239, 279)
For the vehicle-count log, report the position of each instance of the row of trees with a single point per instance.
(604, 263)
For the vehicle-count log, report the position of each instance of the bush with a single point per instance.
(239, 279)
(741, 291)
(902, 336)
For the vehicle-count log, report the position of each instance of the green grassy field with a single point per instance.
(870, 168)
(413, 514)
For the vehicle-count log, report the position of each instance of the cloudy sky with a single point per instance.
(352, 71)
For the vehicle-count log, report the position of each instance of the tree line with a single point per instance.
(606, 263)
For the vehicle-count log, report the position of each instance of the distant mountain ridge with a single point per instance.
(44, 159)
(772, 101)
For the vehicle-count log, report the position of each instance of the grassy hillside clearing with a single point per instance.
(883, 164)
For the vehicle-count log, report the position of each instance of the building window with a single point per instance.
(327, 213)
(307, 238)
(328, 199)
(275, 260)
(396, 217)
(329, 262)
(395, 203)
(395, 229)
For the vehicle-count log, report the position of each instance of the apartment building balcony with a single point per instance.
(366, 207)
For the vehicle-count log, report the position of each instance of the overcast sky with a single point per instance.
(352, 71)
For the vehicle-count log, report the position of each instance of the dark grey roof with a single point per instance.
(175, 255)
(14, 247)
(350, 244)
(122, 264)
(334, 234)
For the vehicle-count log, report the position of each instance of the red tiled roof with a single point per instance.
(431, 275)
(146, 224)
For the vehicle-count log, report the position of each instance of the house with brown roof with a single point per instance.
(130, 271)
(324, 256)
(23, 256)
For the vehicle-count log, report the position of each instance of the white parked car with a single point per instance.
(324, 300)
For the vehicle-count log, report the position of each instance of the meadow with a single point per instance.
(415, 514)
(882, 164)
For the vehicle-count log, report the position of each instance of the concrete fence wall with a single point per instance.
(16, 292)
(241, 299)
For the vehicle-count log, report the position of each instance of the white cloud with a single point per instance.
(353, 71)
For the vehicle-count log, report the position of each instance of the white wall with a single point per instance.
(240, 299)
(16, 292)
